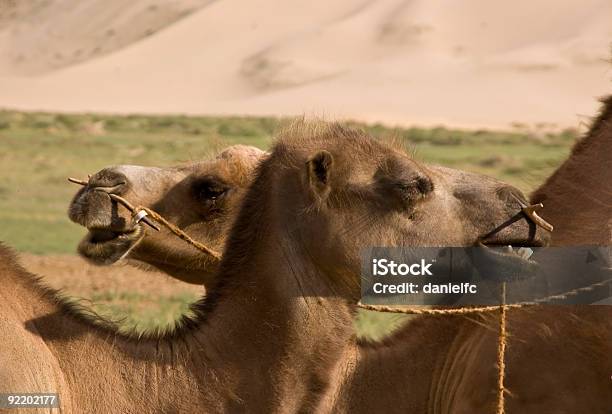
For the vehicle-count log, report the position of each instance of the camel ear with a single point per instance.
(319, 170)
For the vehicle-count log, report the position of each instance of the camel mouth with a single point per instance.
(523, 249)
(105, 246)
(511, 261)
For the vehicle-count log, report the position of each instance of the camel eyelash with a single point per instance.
(413, 189)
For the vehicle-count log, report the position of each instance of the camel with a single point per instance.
(397, 376)
(250, 345)
(201, 198)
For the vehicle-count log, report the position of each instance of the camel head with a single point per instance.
(346, 191)
(200, 198)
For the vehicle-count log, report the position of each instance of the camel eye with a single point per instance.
(209, 189)
(414, 188)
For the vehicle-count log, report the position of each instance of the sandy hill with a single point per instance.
(460, 63)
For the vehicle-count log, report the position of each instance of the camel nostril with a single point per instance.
(425, 185)
(109, 181)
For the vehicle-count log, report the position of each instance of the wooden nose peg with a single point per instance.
(530, 211)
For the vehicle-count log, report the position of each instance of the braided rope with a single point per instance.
(482, 309)
(179, 233)
(501, 354)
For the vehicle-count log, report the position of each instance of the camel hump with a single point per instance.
(9, 262)
(7, 254)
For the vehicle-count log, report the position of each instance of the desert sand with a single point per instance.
(460, 63)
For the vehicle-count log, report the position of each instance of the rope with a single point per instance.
(501, 353)
(482, 309)
(416, 311)
(179, 233)
(137, 215)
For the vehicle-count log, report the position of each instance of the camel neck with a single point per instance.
(273, 312)
(578, 196)
(290, 327)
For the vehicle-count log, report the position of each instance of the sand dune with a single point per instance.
(38, 36)
(461, 63)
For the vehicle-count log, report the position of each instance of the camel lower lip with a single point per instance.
(105, 246)
(99, 236)
(511, 262)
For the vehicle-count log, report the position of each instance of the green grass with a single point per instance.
(39, 150)
(138, 312)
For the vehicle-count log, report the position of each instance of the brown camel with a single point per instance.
(290, 268)
(201, 198)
